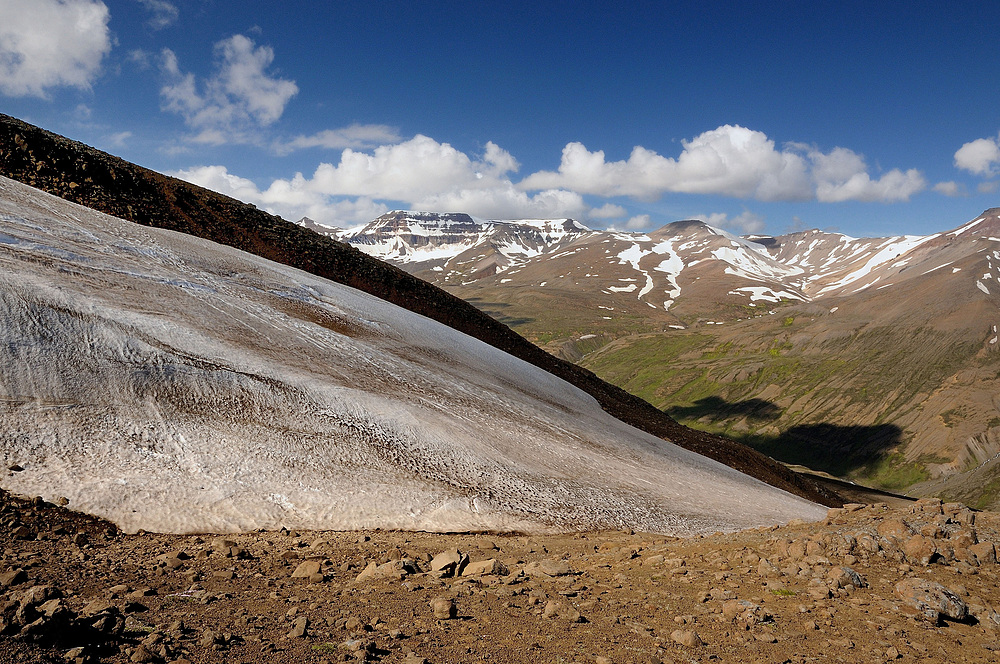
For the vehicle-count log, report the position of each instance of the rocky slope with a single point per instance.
(869, 583)
(102, 182)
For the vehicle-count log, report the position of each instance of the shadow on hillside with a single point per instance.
(495, 310)
(833, 448)
(717, 408)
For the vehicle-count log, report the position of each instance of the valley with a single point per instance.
(871, 359)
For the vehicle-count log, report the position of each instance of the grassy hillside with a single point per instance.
(880, 401)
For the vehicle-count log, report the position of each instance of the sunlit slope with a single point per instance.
(893, 385)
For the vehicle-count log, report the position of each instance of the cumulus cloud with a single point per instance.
(51, 43)
(240, 97)
(285, 198)
(730, 161)
(504, 201)
(356, 136)
(425, 174)
(638, 222)
(744, 223)
(419, 173)
(608, 211)
(979, 157)
(841, 175)
(164, 14)
(950, 188)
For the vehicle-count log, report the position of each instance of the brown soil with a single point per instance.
(83, 175)
(771, 594)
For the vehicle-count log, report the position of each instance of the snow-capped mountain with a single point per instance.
(169, 383)
(686, 268)
(433, 240)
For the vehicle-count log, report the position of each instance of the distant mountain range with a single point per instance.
(871, 358)
(685, 267)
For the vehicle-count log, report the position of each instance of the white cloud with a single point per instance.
(239, 98)
(419, 173)
(504, 201)
(987, 187)
(608, 211)
(119, 139)
(744, 223)
(730, 161)
(638, 222)
(285, 198)
(404, 171)
(950, 188)
(140, 59)
(51, 43)
(841, 175)
(164, 14)
(425, 174)
(356, 136)
(979, 157)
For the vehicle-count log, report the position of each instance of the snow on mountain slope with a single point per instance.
(172, 384)
(686, 268)
(419, 237)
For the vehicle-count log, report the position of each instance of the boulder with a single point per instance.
(894, 528)
(561, 609)
(548, 568)
(299, 628)
(686, 637)
(307, 569)
(920, 549)
(485, 567)
(841, 577)
(985, 553)
(931, 600)
(450, 563)
(443, 608)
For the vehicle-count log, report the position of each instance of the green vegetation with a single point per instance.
(989, 496)
(793, 385)
(951, 416)
(643, 365)
(783, 592)
(719, 351)
(894, 473)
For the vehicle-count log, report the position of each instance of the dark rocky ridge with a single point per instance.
(89, 177)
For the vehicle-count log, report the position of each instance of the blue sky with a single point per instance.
(768, 116)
